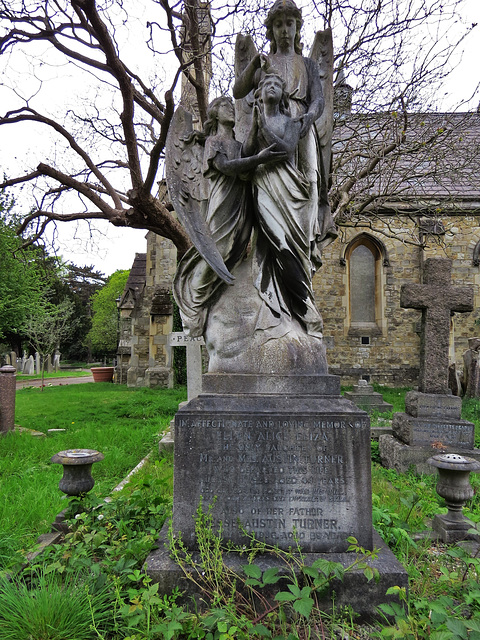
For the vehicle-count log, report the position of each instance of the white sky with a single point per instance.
(114, 248)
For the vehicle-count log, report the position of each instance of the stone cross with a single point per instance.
(436, 298)
(194, 360)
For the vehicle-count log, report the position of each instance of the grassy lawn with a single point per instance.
(110, 542)
(123, 424)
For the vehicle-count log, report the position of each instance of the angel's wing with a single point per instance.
(245, 50)
(188, 189)
(322, 53)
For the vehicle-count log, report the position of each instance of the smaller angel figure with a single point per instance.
(220, 225)
(286, 216)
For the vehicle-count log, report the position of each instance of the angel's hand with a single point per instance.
(306, 122)
(270, 154)
(264, 62)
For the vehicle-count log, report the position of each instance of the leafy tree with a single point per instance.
(48, 325)
(103, 336)
(396, 52)
(20, 278)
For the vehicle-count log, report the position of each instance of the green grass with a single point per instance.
(123, 424)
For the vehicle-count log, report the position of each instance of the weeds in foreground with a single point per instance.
(284, 601)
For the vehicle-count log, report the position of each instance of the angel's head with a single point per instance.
(282, 12)
(219, 110)
(273, 87)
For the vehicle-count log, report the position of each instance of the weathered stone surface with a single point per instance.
(234, 345)
(7, 398)
(279, 464)
(366, 398)
(364, 597)
(396, 455)
(438, 431)
(432, 405)
(437, 298)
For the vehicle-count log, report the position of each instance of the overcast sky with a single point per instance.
(111, 248)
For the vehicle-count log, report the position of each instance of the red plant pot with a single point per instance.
(102, 374)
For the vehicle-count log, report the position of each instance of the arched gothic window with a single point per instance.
(365, 257)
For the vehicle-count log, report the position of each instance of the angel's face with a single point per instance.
(284, 29)
(226, 112)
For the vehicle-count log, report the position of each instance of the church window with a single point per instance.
(365, 257)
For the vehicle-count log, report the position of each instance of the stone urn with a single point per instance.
(102, 374)
(454, 486)
(77, 470)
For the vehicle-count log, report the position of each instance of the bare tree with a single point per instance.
(395, 52)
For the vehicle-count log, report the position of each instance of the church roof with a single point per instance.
(413, 159)
(135, 283)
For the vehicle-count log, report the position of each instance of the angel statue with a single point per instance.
(255, 207)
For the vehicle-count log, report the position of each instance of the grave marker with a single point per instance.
(7, 398)
(432, 418)
(194, 360)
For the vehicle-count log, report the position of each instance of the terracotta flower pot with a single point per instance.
(102, 374)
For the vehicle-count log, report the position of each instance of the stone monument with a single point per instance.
(270, 444)
(193, 346)
(366, 398)
(431, 422)
(7, 398)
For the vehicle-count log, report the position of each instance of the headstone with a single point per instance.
(367, 399)
(471, 370)
(24, 361)
(48, 364)
(194, 374)
(5, 359)
(29, 368)
(432, 419)
(7, 398)
(56, 360)
(194, 360)
(38, 363)
(13, 359)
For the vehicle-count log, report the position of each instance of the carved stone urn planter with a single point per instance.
(77, 470)
(454, 486)
(102, 374)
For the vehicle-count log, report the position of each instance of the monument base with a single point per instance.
(453, 530)
(354, 591)
(367, 399)
(397, 455)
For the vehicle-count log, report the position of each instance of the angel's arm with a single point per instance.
(244, 165)
(246, 80)
(316, 102)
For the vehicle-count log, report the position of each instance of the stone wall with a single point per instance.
(145, 360)
(392, 355)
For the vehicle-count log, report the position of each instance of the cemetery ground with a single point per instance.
(93, 585)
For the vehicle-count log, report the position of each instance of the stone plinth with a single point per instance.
(354, 590)
(7, 398)
(367, 399)
(431, 423)
(288, 459)
(285, 463)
